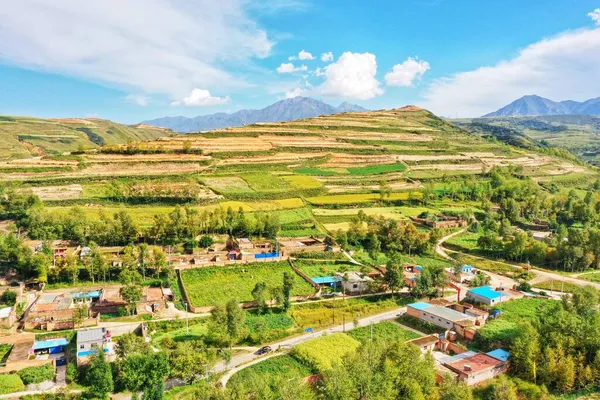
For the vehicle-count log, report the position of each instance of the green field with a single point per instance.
(320, 354)
(592, 277)
(302, 181)
(386, 331)
(210, 285)
(557, 286)
(266, 182)
(377, 169)
(320, 268)
(466, 240)
(228, 185)
(284, 367)
(358, 198)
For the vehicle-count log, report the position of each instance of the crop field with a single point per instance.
(466, 240)
(385, 331)
(323, 268)
(302, 181)
(228, 185)
(557, 286)
(359, 198)
(283, 367)
(320, 354)
(210, 285)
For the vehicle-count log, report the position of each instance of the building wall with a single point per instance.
(482, 376)
(439, 321)
(481, 299)
(413, 312)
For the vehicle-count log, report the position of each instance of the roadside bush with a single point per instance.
(71, 373)
(11, 383)
(33, 375)
(320, 354)
(9, 298)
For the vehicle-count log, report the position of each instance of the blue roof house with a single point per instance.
(486, 295)
(499, 354)
(467, 269)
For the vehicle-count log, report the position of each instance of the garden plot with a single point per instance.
(358, 198)
(302, 181)
(159, 157)
(450, 167)
(266, 183)
(352, 160)
(210, 285)
(228, 184)
(315, 269)
(38, 162)
(212, 145)
(310, 141)
(67, 192)
(322, 353)
(272, 158)
(403, 185)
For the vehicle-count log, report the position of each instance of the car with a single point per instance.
(263, 350)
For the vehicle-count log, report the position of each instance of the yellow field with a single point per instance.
(302, 181)
(359, 198)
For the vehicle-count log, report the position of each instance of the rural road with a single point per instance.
(541, 275)
(244, 360)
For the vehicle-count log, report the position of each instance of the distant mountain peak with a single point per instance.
(532, 105)
(298, 107)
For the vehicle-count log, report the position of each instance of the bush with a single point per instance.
(320, 354)
(11, 383)
(71, 373)
(9, 298)
(33, 375)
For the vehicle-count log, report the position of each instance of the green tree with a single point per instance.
(130, 343)
(236, 316)
(260, 294)
(503, 389)
(288, 285)
(132, 294)
(99, 376)
(394, 274)
(452, 390)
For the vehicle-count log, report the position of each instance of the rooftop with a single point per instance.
(420, 305)
(322, 280)
(424, 340)
(448, 314)
(499, 354)
(45, 344)
(474, 364)
(5, 312)
(91, 335)
(485, 291)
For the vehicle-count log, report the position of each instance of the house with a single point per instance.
(473, 368)
(85, 252)
(87, 297)
(541, 236)
(487, 295)
(245, 244)
(90, 341)
(152, 300)
(51, 311)
(415, 309)
(332, 281)
(446, 318)
(499, 354)
(355, 282)
(168, 294)
(425, 343)
(50, 346)
(467, 273)
(110, 301)
(8, 317)
(266, 247)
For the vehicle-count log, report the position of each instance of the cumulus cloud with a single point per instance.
(287, 68)
(200, 98)
(296, 92)
(138, 99)
(305, 55)
(156, 46)
(352, 76)
(404, 74)
(327, 57)
(595, 16)
(562, 67)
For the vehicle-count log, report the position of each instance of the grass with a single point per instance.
(210, 285)
(377, 169)
(34, 375)
(487, 265)
(422, 326)
(4, 352)
(321, 268)
(385, 331)
(302, 181)
(11, 383)
(593, 277)
(324, 314)
(316, 171)
(322, 353)
(266, 182)
(557, 286)
(466, 240)
(228, 185)
(284, 367)
(514, 313)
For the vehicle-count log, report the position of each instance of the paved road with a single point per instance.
(244, 360)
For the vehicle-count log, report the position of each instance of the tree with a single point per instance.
(159, 260)
(259, 294)
(205, 241)
(288, 285)
(9, 297)
(218, 323)
(394, 275)
(143, 255)
(525, 352)
(452, 390)
(236, 317)
(130, 343)
(132, 294)
(188, 362)
(145, 372)
(503, 389)
(80, 314)
(99, 376)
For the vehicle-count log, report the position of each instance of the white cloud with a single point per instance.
(199, 98)
(404, 74)
(287, 68)
(352, 76)
(292, 58)
(326, 57)
(296, 92)
(595, 16)
(138, 99)
(153, 46)
(305, 55)
(562, 67)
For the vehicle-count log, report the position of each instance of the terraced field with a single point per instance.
(380, 161)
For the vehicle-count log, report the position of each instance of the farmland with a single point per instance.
(210, 285)
(385, 331)
(284, 367)
(320, 354)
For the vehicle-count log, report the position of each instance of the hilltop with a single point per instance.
(281, 111)
(28, 137)
(536, 105)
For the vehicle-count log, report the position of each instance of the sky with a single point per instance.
(135, 60)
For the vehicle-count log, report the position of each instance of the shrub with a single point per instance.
(33, 375)
(71, 373)
(11, 383)
(320, 354)
(9, 298)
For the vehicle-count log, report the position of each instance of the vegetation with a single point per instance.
(40, 374)
(386, 331)
(322, 353)
(11, 383)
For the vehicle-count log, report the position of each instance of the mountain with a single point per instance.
(24, 137)
(536, 105)
(281, 111)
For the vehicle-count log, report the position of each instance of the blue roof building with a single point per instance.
(467, 269)
(499, 354)
(421, 305)
(52, 346)
(326, 280)
(486, 295)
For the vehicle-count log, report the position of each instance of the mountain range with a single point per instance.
(536, 105)
(284, 110)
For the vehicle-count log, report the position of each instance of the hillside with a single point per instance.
(26, 136)
(337, 161)
(535, 105)
(281, 111)
(580, 134)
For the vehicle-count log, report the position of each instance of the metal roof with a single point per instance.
(91, 335)
(321, 280)
(46, 344)
(450, 360)
(420, 305)
(499, 354)
(448, 314)
(485, 291)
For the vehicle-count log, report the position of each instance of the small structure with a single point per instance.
(355, 282)
(85, 252)
(446, 318)
(332, 281)
(168, 294)
(87, 297)
(51, 346)
(152, 301)
(8, 317)
(425, 343)
(90, 341)
(415, 309)
(541, 236)
(499, 354)
(245, 244)
(473, 368)
(487, 295)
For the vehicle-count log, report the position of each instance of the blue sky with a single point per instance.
(142, 59)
